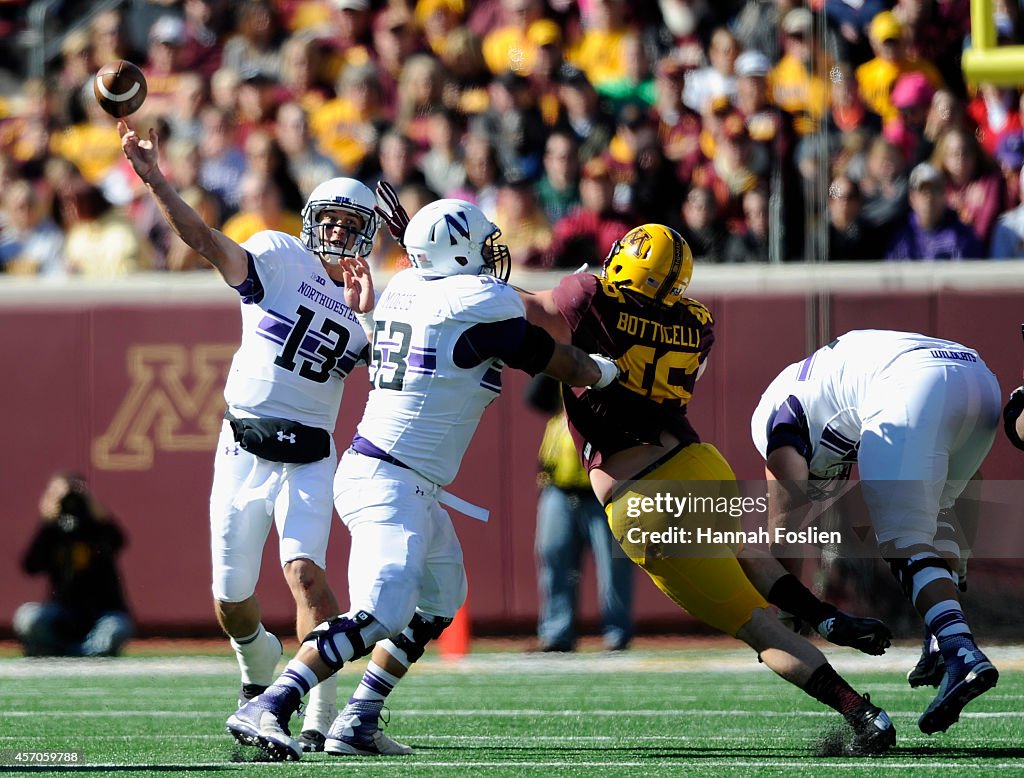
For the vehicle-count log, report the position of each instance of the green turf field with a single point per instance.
(709, 710)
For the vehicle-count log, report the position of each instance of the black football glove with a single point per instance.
(395, 217)
(1011, 412)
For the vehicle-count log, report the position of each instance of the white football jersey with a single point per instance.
(299, 339)
(833, 391)
(423, 408)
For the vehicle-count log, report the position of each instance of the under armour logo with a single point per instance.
(281, 437)
(420, 492)
(969, 656)
(231, 450)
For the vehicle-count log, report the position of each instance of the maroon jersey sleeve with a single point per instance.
(659, 350)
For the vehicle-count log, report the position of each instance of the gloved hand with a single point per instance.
(609, 371)
(395, 217)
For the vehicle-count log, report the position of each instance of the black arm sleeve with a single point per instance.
(516, 342)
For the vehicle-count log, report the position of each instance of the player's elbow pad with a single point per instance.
(1011, 412)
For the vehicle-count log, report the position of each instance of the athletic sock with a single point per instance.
(322, 706)
(376, 683)
(793, 597)
(829, 688)
(257, 656)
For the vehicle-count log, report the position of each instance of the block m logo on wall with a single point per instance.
(175, 403)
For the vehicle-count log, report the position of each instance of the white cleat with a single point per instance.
(252, 725)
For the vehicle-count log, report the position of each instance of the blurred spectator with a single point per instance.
(1010, 158)
(569, 520)
(582, 114)
(524, 227)
(257, 103)
(884, 189)
(348, 36)
(306, 163)
(76, 70)
(438, 19)
(701, 228)
(76, 547)
(420, 91)
(265, 158)
(973, 187)
(558, 191)
(851, 19)
(442, 165)
(635, 89)
(1008, 235)
(163, 64)
(757, 25)
(912, 97)
(99, 240)
(301, 62)
(932, 230)
(347, 126)
(92, 145)
(934, 32)
(186, 104)
(200, 50)
(395, 41)
(396, 161)
(508, 46)
(30, 242)
(255, 46)
(261, 210)
(547, 36)
(996, 112)
(465, 88)
(587, 233)
(717, 79)
(736, 167)
(797, 84)
(223, 162)
(600, 51)
(109, 38)
(483, 175)
(877, 76)
(849, 237)
(514, 126)
(653, 188)
(751, 243)
(946, 111)
(849, 125)
(224, 89)
(679, 128)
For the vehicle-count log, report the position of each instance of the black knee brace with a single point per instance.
(904, 570)
(414, 638)
(350, 630)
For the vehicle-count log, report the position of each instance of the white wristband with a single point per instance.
(609, 371)
(365, 321)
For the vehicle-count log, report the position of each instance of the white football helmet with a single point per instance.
(453, 237)
(345, 194)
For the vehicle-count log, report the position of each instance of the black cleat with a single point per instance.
(248, 691)
(928, 671)
(868, 635)
(874, 732)
(969, 676)
(311, 741)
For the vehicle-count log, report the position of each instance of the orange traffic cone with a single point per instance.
(454, 641)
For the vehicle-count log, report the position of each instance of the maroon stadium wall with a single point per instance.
(131, 395)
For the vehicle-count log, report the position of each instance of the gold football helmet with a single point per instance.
(651, 259)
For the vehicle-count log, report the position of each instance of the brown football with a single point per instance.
(120, 88)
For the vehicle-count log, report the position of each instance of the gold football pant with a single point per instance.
(704, 579)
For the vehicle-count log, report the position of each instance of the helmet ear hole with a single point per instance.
(461, 260)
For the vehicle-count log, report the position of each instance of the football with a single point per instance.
(120, 88)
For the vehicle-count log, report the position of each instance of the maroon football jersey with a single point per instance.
(658, 350)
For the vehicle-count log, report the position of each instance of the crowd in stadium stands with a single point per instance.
(566, 121)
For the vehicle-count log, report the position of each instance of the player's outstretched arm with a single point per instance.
(572, 366)
(220, 251)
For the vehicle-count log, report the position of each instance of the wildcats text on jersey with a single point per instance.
(673, 335)
(326, 301)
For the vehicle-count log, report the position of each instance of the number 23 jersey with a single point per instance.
(658, 350)
(299, 339)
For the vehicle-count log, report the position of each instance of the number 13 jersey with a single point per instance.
(299, 339)
(659, 350)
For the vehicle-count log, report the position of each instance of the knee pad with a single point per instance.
(917, 571)
(345, 638)
(409, 644)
